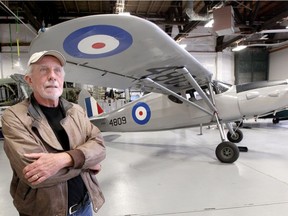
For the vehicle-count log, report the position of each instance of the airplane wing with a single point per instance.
(120, 52)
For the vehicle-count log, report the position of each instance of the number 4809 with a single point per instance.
(118, 121)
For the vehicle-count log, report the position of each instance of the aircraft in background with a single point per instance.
(276, 116)
(12, 90)
(129, 52)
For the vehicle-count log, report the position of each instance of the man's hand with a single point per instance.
(45, 166)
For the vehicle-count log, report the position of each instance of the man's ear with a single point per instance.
(28, 79)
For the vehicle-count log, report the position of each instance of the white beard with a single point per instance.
(51, 96)
(51, 90)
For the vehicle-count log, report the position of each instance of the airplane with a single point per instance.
(128, 52)
(11, 92)
(276, 116)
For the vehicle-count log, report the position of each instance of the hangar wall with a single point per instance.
(221, 64)
(251, 65)
(278, 65)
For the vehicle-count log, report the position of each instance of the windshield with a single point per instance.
(220, 87)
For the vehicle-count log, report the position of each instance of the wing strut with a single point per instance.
(169, 92)
(219, 122)
(194, 83)
(208, 101)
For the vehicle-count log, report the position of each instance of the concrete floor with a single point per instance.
(176, 173)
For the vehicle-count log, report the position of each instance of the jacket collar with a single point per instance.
(35, 110)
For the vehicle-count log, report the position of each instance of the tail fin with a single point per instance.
(89, 104)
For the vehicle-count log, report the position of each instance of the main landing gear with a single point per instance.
(227, 152)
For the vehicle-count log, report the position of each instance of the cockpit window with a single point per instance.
(218, 87)
(193, 95)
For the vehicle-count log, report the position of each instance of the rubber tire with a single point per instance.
(238, 136)
(227, 152)
(275, 120)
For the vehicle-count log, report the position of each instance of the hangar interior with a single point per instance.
(175, 172)
(259, 25)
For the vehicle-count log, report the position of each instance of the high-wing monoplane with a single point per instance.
(129, 52)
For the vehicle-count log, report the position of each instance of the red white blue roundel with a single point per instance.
(97, 41)
(141, 113)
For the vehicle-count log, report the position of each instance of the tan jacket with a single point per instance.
(26, 130)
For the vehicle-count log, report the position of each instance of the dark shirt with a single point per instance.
(76, 187)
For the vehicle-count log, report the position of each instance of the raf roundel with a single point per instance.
(141, 113)
(97, 41)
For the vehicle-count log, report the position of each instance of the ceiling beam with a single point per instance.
(220, 45)
(28, 14)
(272, 22)
(14, 44)
(185, 31)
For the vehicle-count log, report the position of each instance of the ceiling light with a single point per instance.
(183, 45)
(209, 24)
(124, 13)
(238, 48)
(274, 31)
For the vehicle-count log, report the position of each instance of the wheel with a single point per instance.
(275, 120)
(227, 152)
(236, 138)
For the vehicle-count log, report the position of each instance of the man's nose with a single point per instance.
(51, 74)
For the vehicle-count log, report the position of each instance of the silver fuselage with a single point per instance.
(157, 112)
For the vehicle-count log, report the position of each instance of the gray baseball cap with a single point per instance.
(38, 55)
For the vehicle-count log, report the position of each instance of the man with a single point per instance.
(54, 150)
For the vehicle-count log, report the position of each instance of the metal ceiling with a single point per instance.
(182, 20)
